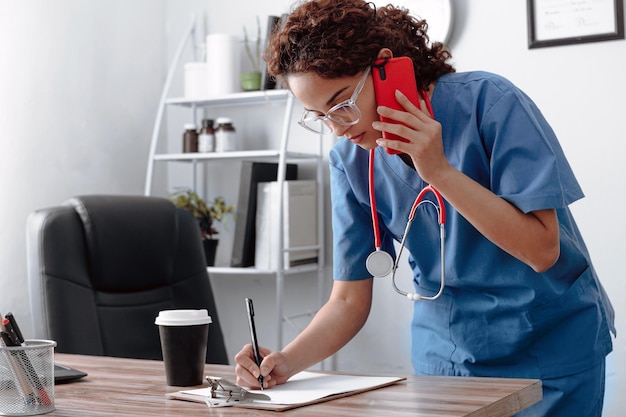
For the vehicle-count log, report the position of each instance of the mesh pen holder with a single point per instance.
(27, 378)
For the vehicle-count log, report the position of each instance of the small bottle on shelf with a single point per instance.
(190, 138)
(206, 138)
(225, 135)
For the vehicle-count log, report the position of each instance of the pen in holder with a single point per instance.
(27, 378)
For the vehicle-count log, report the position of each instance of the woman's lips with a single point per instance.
(357, 139)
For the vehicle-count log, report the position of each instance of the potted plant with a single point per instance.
(251, 80)
(206, 214)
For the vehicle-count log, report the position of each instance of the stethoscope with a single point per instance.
(380, 263)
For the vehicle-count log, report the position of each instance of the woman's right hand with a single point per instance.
(274, 368)
(323, 336)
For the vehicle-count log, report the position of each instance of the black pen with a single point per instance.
(255, 342)
(16, 329)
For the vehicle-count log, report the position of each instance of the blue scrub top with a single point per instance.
(497, 316)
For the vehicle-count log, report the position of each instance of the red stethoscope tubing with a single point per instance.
(372, 193)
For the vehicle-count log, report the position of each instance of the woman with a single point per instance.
(521, 297)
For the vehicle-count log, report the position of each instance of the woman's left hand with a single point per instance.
(423, 133)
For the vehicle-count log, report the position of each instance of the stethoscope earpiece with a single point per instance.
(379, 264)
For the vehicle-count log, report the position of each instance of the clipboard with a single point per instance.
(312, 388)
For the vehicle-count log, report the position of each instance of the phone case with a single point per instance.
(390, 75)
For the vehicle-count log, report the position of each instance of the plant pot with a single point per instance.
(210, 248)
(250, 81)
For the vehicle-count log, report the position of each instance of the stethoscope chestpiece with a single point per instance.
(379, 263)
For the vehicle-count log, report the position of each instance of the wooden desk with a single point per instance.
(135, 388)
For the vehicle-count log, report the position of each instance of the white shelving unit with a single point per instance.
(280, 155)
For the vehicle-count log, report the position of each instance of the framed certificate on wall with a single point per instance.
(558, 22)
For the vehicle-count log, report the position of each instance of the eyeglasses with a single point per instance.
(345, 113)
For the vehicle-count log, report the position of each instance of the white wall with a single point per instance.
(79, 87)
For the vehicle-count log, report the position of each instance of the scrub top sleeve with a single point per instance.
(353, 238)
(528, 166)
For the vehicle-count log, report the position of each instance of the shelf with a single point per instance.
(279, 98)
(199, 156)
(235, 99)
(227, 270)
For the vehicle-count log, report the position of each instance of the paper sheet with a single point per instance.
(307, 387)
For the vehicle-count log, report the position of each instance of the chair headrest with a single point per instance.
(130, 240)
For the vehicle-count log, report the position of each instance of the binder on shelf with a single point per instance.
(252, 173)
(299, 224)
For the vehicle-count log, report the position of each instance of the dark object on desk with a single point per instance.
(64, 374)
(100, 269)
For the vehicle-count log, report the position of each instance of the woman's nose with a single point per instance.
(337, 128)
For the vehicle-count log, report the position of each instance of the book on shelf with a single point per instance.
(252, 173)
(299, 224)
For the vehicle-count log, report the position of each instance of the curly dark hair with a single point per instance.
(336, 38)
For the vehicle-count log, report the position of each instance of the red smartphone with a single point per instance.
(391, 74)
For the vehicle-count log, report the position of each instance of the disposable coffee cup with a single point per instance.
(184, 335)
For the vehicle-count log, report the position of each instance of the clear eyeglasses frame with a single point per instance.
(345, 113)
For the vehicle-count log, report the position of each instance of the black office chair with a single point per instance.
(101, 267)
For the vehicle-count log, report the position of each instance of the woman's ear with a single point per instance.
(384, 53)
